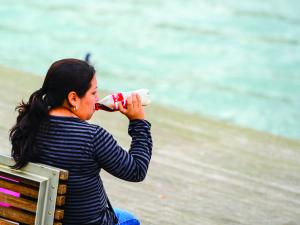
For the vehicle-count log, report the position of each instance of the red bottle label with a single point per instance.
(119, 98)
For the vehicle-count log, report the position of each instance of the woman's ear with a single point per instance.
(73, 99)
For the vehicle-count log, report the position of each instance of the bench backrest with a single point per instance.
(32, 195)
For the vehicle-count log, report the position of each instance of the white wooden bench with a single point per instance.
(32, 195)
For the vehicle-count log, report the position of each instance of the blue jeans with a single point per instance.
(125, 217)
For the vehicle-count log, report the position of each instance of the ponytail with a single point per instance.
(22, 134)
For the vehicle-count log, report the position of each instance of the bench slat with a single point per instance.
(20, 203)
(62, 189)
(33, 193)
(6, 222)
(60, 200)
(20, 179)
(17, 187)
(17, 215)
(59, 214)
(57, 223)
(63, 175)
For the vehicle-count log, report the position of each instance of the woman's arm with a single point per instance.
(131, 165)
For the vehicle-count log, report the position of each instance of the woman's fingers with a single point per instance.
(121, 108)
(134, 100)
(129, 103)
(139, 102)
(134, 108)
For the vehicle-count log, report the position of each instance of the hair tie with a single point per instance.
(41, 90)
(41, 93)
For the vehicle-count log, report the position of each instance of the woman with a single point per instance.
(52, 129)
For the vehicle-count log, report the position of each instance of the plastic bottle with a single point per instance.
(111, 102)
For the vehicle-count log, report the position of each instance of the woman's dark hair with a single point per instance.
(63, 76)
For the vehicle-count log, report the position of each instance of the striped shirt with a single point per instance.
(84, 149)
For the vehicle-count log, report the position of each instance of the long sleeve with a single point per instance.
(131, 165)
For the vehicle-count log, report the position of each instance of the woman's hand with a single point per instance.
(134, 108)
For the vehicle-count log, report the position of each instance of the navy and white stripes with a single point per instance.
(84, 149)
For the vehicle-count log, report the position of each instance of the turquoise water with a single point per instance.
(232, 60)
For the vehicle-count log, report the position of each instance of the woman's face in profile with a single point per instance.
(86, 107)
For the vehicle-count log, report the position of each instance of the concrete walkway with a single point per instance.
(202, 171)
